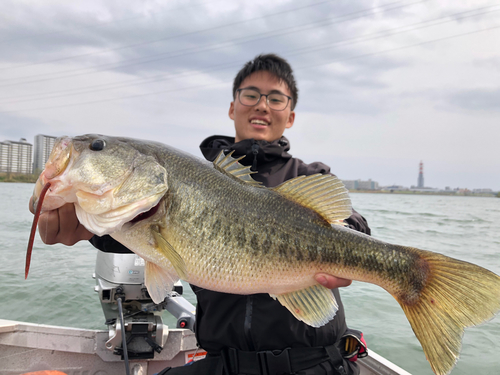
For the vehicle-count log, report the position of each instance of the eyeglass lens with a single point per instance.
(275, 101)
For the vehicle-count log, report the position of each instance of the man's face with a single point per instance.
(260, 122)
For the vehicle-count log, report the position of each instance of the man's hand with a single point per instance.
(61, 226)
(331, 282)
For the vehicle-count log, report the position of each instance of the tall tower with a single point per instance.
(420, 183)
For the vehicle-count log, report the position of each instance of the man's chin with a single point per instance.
(258, 135)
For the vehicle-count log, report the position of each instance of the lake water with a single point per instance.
(60, 288)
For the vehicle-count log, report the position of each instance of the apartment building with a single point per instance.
(361, 185)
(43, 147)
(16, 157)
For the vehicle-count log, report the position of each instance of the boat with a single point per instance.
(27, 347)
(150, 345)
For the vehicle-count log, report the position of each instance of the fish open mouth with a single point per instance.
(145, 215)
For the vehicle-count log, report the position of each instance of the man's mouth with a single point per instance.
(259, 122)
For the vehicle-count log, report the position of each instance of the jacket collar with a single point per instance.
(255, 152)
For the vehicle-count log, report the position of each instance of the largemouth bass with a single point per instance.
(212, 225)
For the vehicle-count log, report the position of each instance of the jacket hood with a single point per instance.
(255, 152)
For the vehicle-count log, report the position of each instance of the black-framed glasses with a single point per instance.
(275, 101)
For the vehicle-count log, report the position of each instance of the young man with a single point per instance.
(250, 334)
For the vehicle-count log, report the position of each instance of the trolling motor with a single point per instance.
(134, 320)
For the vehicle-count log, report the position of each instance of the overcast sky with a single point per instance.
(383, 85)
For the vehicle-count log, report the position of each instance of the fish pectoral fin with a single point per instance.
(172, 255)
(315, 305)
(158, 281)
(231, 167)
(323, 193)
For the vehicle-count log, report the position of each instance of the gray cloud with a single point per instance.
(477, 100)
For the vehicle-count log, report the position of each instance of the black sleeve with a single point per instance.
(109, 245)
(358, 222)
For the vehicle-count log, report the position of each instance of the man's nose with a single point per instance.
(262, 104)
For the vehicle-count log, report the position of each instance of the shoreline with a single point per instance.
(443, 193)
(31, 178)
(18, 177)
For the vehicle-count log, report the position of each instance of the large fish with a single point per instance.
(212, 225)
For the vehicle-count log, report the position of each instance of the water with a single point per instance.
(59, 290)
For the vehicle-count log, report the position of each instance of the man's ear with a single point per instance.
(231, 111)
(291, 120)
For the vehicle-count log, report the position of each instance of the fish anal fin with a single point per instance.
(232, 168)
(457, 295)
(158, 281)
(315, 305)
(325, 194)
(173, 256)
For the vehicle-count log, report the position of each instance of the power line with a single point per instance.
(350, 41)
(106, 23)
(261, 36)
(395, 31)
(399, 48)
(229, 82)
(166, 38)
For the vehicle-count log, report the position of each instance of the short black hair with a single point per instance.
(277, 66)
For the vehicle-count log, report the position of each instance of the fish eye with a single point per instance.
(98, 145)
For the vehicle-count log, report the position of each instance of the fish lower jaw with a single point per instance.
(123, 218)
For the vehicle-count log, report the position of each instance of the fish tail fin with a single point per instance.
(456, 295)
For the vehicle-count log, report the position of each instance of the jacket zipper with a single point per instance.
(255, 152)
(247, 325)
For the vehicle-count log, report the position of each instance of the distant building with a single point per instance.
(395, 188)
(4, 156)
(16, 157)
(481, 191)
(349, 184)
(420, 183)
(424, 189)
(360, 185)
(367, 185)
(43, 148)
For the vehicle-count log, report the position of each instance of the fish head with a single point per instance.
(110, 180)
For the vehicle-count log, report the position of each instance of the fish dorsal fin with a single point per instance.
(315, 305)
(323, 193)
(231, 167)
